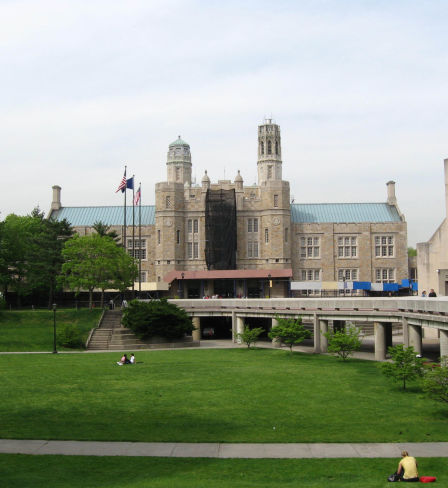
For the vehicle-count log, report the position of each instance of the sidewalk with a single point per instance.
(222, 450)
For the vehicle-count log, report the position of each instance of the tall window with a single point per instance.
(252, 225)
(269, 147)
(177, 173)
(195, 226)
(384, 246)
(158, 236)
(137, 248)
(252, 238)
(347, 274)
(262, 147)
(385, 275)
(266, 236)
(143, 276)
(269, 172)
(189, 226)
(286, 234)
(275, 200)
(178, 236)
(310, 247)
(276, 148)
(189, 250)
(195, 250)
(252, 249)
(347, 247)
(310, 274)
(168, 201)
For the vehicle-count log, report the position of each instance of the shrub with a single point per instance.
(70, 336)
(250, 336)
(289, 331)
(435, 382)
(157, 318)
(344, 342)
(405, 365)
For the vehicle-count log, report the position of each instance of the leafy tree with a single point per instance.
(250, 336)
(405, 365)
(104, 231)
(344, 342)
(157, 318)
(289, 331)
(435, 382)
(94, 261)
(412, 252)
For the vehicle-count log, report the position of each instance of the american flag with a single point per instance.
(137, 195)
(122, 185)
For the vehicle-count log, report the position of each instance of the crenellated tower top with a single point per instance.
(269, 152)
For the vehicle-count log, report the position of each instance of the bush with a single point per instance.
(70, 336)
(344, 342)
(250, 336)
(157, 318)
(289, 331)
(435, 382)
(405, 365)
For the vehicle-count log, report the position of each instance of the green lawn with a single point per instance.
(33, 330)
(233, 395)
(19, 471)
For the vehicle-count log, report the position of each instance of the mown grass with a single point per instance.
(33, 330)
(124, 472)
(235, 395)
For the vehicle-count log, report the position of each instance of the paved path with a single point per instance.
(223, 450)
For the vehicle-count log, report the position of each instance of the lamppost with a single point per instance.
(269, 284)
(54, 329)
(183, 292)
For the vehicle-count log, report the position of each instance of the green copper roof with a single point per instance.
(179, 142)
(87, 216)
(307, 213)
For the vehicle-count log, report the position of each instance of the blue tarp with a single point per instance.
(390, 286)
(406, 283)
(361, 285)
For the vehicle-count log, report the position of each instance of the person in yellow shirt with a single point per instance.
(407, 468)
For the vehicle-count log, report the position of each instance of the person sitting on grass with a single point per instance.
(132, 359)
(407, 468)
(124, 360)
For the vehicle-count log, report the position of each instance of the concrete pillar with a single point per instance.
(274, 342)
(404, 323)
(239, 328)
(443, 343)
(415, 338)
(380, 341)
(316, 325)
(197, 331)
(323, 339)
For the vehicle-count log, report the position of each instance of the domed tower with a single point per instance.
(178, 162)
(269, 152)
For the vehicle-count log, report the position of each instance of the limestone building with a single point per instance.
(432, 256)
(229, 239)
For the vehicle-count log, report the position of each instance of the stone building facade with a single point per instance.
(270, 241)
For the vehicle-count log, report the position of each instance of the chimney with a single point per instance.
(56, 203)
(446, 186)
(391, 198)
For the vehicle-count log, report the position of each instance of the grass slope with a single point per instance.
(121, 472)
(33, 330)
(233, 395)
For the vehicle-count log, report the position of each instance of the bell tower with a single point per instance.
(178, 162)
(269, 152)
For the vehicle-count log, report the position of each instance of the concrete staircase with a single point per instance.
(102, 335)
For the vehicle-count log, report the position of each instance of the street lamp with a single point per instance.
(183, 292)
(54, 329)
(269, 283)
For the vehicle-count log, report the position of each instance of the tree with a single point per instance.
(344, 342)
(412, 252)
(289, 331)
(104, 231)
(250, 336)
(405, 365)
(157, 318)
(435, 382)
(95, 261)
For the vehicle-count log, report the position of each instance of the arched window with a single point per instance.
(262, 147)
(276, 148)
(269, 147)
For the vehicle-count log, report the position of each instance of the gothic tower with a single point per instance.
(269, 152)
(178, 162)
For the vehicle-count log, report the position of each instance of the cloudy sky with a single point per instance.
(358, 87)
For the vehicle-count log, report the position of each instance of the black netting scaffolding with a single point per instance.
(220, 229)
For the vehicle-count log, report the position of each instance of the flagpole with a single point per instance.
(133, 229)
(140, 239)
(124, 212)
